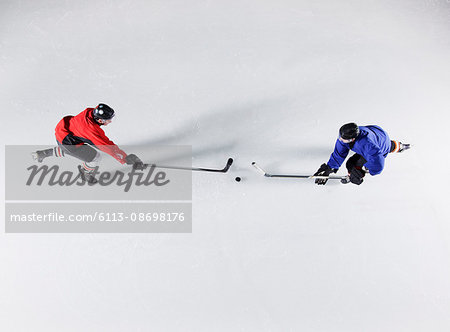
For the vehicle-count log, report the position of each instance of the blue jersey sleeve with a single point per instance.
(339, 154)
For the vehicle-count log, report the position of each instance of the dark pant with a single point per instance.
(392, 146)
(355, 161)
(77, 148)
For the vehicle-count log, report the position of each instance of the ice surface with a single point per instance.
(265, 81)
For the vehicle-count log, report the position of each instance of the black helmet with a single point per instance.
(349, 131)
(103, 111)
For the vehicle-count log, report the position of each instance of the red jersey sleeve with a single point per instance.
(101, 141)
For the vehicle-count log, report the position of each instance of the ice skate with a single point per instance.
(87, 175)
(346, 180)
(403, 147)
(39, 156)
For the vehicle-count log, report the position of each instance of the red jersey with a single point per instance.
(82, 128)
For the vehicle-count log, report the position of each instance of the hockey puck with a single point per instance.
(238, 179)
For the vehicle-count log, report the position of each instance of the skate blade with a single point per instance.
(404, 148)
(35, 157)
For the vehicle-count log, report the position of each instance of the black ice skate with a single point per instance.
(39, 156)
(346, 180)
(403, 147)
(87, 175)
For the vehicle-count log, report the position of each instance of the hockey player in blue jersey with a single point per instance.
(371, 145)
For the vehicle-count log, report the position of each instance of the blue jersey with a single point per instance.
(373, 143)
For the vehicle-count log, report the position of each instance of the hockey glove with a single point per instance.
(356, 175)
(134, 160)
(324, 170)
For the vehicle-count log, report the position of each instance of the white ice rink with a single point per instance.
(257, 80)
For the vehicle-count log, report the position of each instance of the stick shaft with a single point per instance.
(295, 176)
(223, 170)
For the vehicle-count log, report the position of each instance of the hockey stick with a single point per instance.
(223, 170)
(263, 172)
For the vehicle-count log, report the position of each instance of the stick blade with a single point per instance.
(260, 170)
(227, 166)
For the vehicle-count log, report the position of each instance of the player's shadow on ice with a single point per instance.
(245, 128)
(221, 132)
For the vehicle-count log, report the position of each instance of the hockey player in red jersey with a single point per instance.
(81, 135)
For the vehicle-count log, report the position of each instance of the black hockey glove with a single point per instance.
(134, 160)
(324, 170)
(356, 175)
